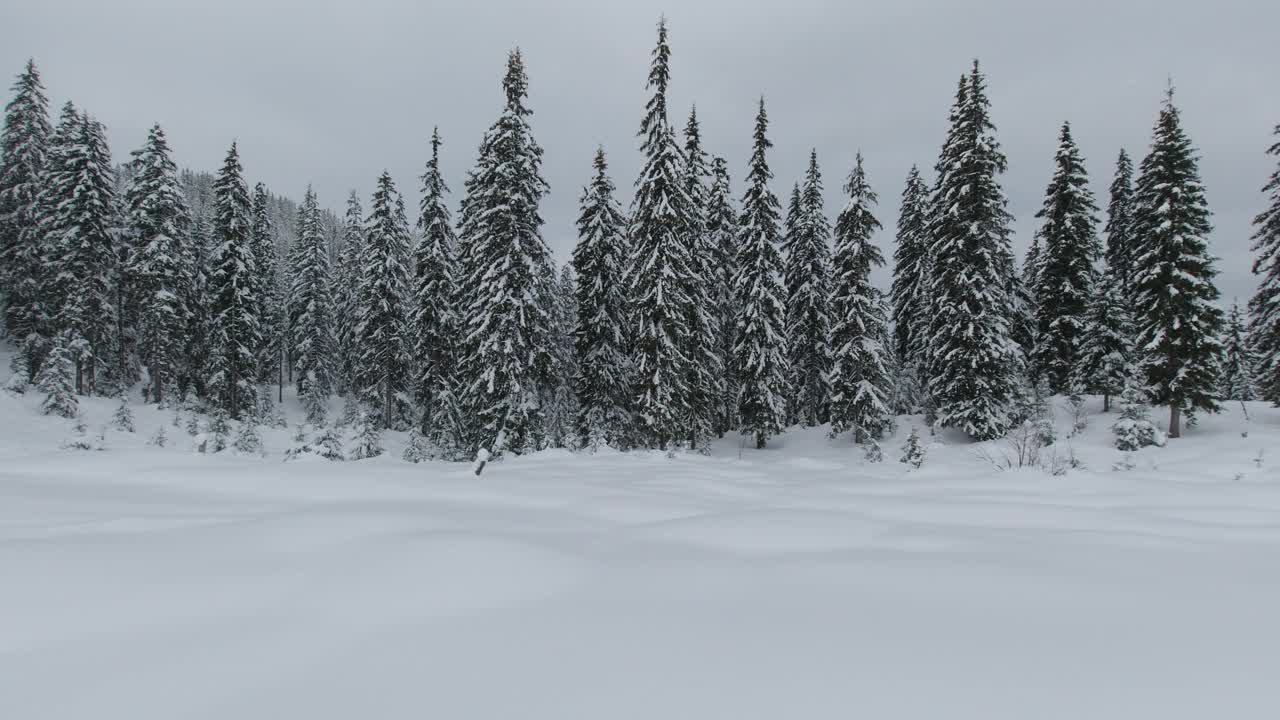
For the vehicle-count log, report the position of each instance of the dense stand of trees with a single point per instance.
(685, 317)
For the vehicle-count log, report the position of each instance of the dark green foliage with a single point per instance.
(808, 282)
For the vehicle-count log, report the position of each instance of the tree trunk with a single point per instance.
(280, 394)
(760, 441)
(1175, 420)
(158, 383)
(1106, 402)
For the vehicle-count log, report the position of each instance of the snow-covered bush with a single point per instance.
(418, 449)
(247, 440)
(219, 432)
(913, 451)
(873, 453)
(368, 438)
(329, 444)
(1134, 430)
(315, 404)
(123, 417)
(159, 439)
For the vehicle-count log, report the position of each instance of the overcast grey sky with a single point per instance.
(330, 92)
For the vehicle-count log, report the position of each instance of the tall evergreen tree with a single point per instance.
(23, 148)
(311, 309)
(1119, 229)
(660, 268)
(1178, 318)
(1238, 360)
(160, 225)
(1104, 353)
(236, 333)
(1065, 278)
(722, 228)
(808, 283)
(196, 298)
(346, 291)
(80, 232)
(706, 370)
(861, 384)
(972, 305)
(1264, 306)
(435, 321)
(599, 339)
(507, 364)
(911, 272)
(269, 288)
(383, 374)
(562, 408)
(760, 353)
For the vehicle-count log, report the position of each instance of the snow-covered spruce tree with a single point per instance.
(706, 370)
(247, 440)
(506, 365)
(911, 272)
(56, 379)
(722, 228)
(160, 225)
(1133, 429)
(1065, 277)
(383, 375)
(368, 440)
(270, 291)
(43, 289)
(790, 221)
(23, 147)
(1175, 304)
(1104, 353)
(562, 409)
(80, 232)
(599, 338)
(236, 334)
(311, 309)
(659, 270)
(971, 305)
(913, 451)
(346, 292)
(435, 320)
(1238, 360)
(760, 355)
(1119, 229)
(808, 283)
(194, 296)
(328, 444)
(861, 386)
(1264, 306)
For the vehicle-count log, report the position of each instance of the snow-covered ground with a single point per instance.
(795, 582)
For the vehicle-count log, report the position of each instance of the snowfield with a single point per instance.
(796, 582)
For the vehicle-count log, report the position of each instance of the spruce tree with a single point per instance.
(435, 321)
(42, 289)
(599, 338)
(311, 307)
(705, 379)
(346, 291)
(722, 228)
(1104, 354)
(861, 384)
(160, 269)
(1238, 360)
(659, 273)
(507, 363)
(1178, 319)
(808, 283)
(195, 297)
(1065, 277)
(972, 307)
(1264, 306)
(80, 232)
(236, 334)
(23, 149)
(911, 272)
(760, 353)
(383, 376)
(562, 407)
(56, 378)
(1119, 229)
(271, 294)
